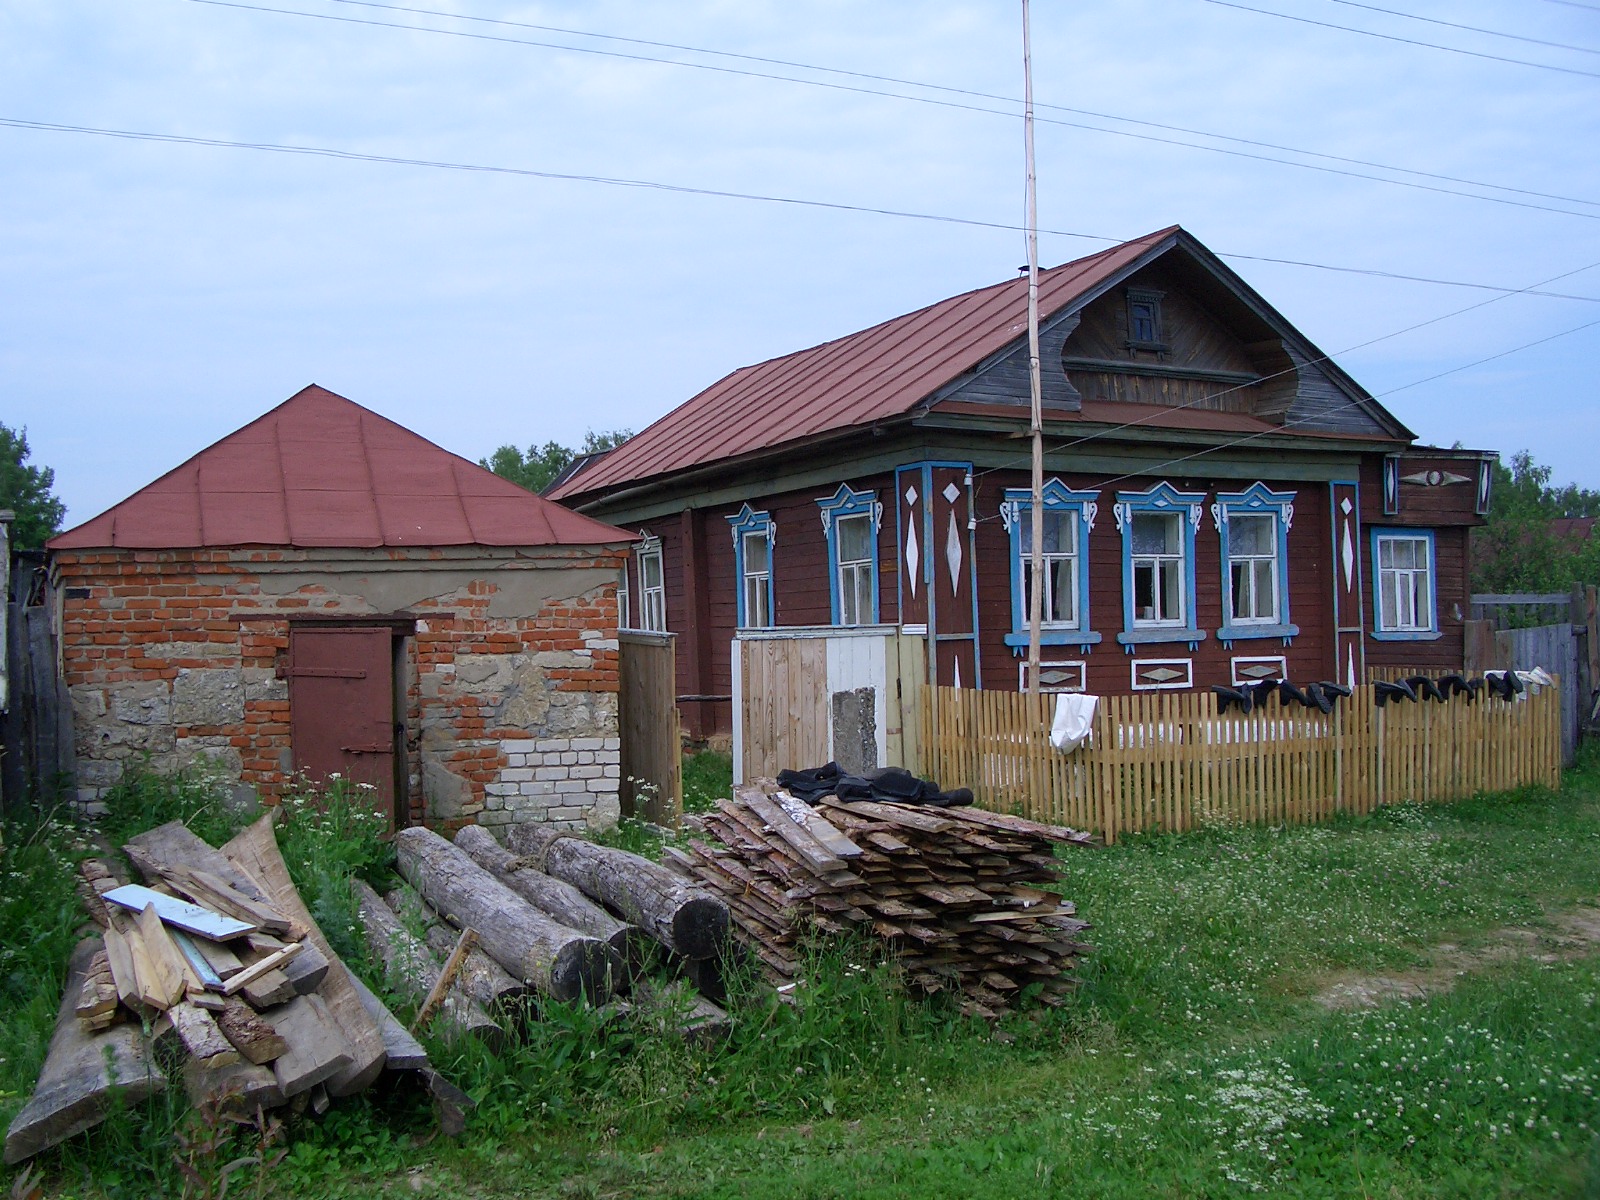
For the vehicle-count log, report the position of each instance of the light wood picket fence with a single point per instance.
(1168, 761)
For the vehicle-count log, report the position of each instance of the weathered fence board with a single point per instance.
(647, 718)
(1171, 762)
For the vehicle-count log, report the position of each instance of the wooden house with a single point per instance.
(1223, 503)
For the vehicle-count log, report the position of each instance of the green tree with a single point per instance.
(26, 491)
(1521, 549)
(541, 464)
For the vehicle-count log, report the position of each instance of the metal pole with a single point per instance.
(1036, 551)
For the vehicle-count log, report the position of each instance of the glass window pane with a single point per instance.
(1266, 589)
(1063, 593)
(1241, 592)
(1386, 552)
(1171, 591)
(1144, 591)
(854, 536)
(1155, 533)
(1058, 530)
(1388, 616)
(1251, 535)
(650, 570)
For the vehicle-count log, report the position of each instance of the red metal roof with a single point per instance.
(880, 372)
(320, 470)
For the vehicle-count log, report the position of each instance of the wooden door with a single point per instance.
(342, 708)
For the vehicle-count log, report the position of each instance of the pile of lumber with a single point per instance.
(961, 896)
(216, 951)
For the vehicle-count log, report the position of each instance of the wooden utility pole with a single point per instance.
(1036, 522)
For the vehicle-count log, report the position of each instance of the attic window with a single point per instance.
(1144, 320)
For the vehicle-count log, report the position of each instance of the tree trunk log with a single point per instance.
(412, 970)
(255, 851)
(81, 1073)
(559, 899)
(558, 961)
(682, 917)
(485, 980)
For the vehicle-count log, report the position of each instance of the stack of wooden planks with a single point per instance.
(961, 896)
(215, 950)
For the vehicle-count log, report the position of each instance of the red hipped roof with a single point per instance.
(320, 470)
(852, 381)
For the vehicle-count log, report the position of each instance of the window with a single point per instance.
(623, 617)
(1405, 598)
(1068, 519)
(850, 520)
(753, 538)
(1253, 531)
(1158, 569)
(652, 587)
(1144, 319)
(1158, 565)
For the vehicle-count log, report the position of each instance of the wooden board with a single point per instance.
(317, 1049)
(179, 913)
(84, 1073)
(256, 851)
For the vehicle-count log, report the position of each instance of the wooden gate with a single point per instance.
(806, 696)
(647, 716)
(342, 707)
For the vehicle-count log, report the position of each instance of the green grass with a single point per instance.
(1193, 1061)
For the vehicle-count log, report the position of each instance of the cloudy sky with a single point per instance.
(156, 294)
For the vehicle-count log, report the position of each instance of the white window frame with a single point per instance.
(652, 600)
(845, 575)
(1177, 559)
(755, 602)
(1257, 501)
(1390, 581)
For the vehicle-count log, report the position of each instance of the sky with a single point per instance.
(157, 294)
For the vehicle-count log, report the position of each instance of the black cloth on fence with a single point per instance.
(893, 785)
(1384, 692)
(1227, 698)
(1425, 687)
(1333, 689)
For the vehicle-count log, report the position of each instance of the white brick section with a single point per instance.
(567, 783)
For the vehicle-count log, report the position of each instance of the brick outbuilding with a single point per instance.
(325, 591)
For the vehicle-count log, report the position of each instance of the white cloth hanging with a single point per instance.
(1074, 720)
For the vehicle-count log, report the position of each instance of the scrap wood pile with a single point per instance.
(959, 894)
(217, 951)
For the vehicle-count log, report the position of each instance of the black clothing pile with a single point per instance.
(891, 785)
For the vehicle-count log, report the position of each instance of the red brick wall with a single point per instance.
(138, 627)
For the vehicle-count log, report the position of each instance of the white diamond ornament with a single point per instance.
(952, 553)
(951, 492)
(913, 557)
(1347, 556)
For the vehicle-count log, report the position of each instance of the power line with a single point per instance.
(1515, 37)
(1390, 37)
(685, 189)
(1575, 4)
(866, 91)
(958, 91)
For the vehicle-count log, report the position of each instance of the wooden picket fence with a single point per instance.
(1169, 761)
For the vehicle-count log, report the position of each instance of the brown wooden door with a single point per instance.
(342, 708)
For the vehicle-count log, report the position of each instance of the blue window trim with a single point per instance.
(1255, 499)
(849, 503)
(1433, 632)
(1057, 498)
(1162, 498)
(747, 521)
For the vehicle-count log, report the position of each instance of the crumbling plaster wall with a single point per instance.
(510, 663)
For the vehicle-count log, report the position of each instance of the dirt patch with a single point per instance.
(1570, 934)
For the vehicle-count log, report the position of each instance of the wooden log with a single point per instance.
(256, 851)
(404, 1052)
(82, 1073)
(251, 1034)
(483, 979)
(411, 969)
(198, 1031)
(317, 1049)
(681, 916)
(559, 899)
(676, 1008)
(558, 961)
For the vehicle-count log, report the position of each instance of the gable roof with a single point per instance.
(320, 470)
(891, 368)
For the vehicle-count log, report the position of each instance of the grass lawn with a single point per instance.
(1204, 1055)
